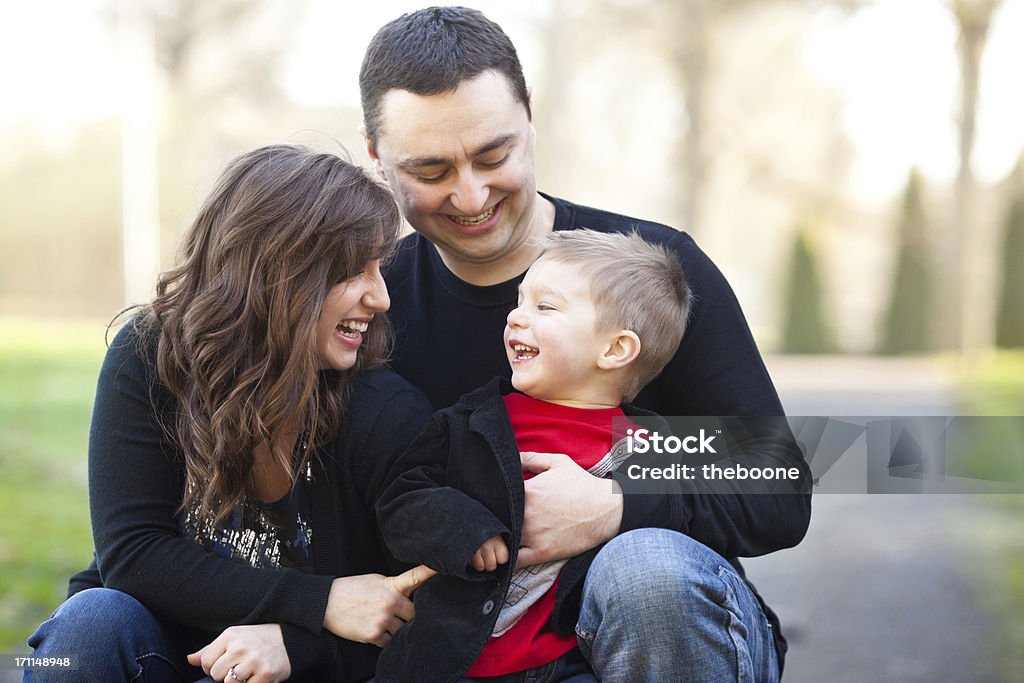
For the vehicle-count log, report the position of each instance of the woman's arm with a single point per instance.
(135, 489)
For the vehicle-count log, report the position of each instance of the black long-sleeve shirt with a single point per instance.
(136, 483)
(449, 342)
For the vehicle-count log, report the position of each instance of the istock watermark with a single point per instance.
(785, 455)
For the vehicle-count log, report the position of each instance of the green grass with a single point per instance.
(47, 379)
(996, 387)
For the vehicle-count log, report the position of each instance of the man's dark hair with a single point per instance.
(432, 51)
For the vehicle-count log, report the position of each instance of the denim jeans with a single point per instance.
(114, 639)
(659, 606)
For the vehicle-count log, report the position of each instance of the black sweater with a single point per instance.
(136, 482)
(449, 342)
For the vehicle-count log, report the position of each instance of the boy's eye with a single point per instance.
(545, 307)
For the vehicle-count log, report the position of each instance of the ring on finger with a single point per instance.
(235, 677)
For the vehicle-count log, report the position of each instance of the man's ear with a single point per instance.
(622, 349)
(372, 153)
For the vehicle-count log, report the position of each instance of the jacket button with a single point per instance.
(488, 607)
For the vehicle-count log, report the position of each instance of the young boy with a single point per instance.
(599, 315)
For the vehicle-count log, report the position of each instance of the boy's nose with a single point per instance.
(516, 318)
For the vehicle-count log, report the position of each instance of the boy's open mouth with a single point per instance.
(524, 352)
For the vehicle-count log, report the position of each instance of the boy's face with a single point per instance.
(552, 340)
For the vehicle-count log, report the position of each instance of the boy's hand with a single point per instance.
(488, 556)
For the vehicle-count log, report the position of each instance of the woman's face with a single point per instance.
(347, 312)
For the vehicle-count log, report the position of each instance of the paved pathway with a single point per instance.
(884, 587)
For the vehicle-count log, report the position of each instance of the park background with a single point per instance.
(854, 168)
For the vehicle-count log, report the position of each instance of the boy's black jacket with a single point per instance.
(458, 484)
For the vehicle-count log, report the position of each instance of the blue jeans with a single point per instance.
(659, 606)
(114, 638)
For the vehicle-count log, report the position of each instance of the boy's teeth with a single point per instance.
(524, 351)
(474, 220)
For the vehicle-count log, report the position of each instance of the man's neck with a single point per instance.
(515, 262)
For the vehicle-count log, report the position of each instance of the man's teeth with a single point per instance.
(352, 328)
(473, 220)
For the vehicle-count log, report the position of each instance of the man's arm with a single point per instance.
(567, 510)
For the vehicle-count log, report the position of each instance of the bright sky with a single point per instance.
(894, 62)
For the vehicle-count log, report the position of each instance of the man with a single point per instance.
(447, 123)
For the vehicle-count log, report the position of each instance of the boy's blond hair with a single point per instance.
(635, 286)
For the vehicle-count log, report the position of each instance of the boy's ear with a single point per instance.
(622, 350)
(372, 153)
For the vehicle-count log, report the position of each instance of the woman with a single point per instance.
(237, 446)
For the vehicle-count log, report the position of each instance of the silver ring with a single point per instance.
(234, 676)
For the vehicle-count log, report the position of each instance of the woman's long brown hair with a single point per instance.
(236, 320)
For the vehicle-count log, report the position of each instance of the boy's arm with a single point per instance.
(424, 520)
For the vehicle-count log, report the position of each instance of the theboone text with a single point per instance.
(645, 441)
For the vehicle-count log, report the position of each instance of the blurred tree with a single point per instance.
(805, 329)
(968, 325)
(687, 31)
(907, 322)
(1010, 315)
(217, 64)
(733, 148)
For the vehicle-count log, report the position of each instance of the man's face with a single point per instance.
(461, 165)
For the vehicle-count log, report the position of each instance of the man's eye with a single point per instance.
(433, 178)
(493, 164)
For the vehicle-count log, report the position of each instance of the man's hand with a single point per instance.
(492, 553)
(253, 653)
(370, 608)
(568, 510)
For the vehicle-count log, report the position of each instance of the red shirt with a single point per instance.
(584, 435)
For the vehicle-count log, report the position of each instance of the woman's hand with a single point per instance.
(253, 653)
(370, 608)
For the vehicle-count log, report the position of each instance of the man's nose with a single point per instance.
(470, 194)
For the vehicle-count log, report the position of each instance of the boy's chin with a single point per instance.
(520, 383)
